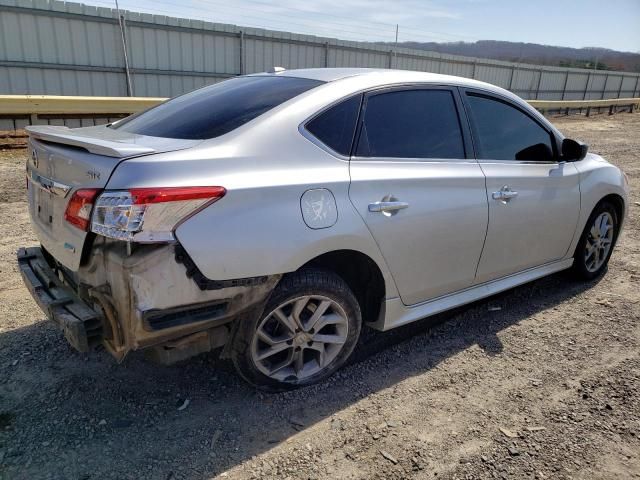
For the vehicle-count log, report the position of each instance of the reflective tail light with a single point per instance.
(78, 212)
(149, 215)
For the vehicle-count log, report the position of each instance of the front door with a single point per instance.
(534, 200)
(418, 189)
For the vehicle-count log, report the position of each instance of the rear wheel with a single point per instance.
(596, 243)
(307, 331)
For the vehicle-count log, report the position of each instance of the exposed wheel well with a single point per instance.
(361, 274)
(617, 202)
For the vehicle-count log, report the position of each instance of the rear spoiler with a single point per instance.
(82, 138)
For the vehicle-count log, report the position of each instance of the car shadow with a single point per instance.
(87, 417)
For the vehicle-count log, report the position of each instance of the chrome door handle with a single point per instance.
(508, 195)
(387, 206)
(504, 194)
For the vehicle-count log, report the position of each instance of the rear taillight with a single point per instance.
(78, 212)
(149, 215)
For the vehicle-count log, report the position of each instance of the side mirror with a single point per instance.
(573, 151)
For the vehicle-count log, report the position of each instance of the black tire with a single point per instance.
(580, 269)
(311, 281)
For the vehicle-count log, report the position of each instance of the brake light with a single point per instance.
(78, 212)
(149, 215)
(143, 196)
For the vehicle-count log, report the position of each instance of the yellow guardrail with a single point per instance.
(67, 105)
(573, 104)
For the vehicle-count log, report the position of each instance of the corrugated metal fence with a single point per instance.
(58, 48)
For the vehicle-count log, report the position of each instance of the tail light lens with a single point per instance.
(78, 212)
(149, 215)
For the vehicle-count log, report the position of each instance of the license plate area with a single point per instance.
(48, 199)
(43, 206)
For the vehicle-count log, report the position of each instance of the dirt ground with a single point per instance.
(539, 382)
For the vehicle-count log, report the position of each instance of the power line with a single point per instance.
(370, 22)
(389, 27)
(361, 32)
(287, 24)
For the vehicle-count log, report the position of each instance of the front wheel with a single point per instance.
(596, 243)
(308, 330)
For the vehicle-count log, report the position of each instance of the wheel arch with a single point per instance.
(599, 181)
(618, 203)
(361, 273)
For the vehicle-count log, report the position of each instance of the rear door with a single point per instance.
(418, 188)
(534, 200)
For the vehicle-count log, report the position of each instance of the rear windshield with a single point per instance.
(217, 109)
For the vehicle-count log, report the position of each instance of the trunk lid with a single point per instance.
(62, 160)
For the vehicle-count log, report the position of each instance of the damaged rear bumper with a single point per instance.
(153, 297)
(82, 326)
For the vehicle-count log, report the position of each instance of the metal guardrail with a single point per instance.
(49, 105)
(566, 106)
(66, 105)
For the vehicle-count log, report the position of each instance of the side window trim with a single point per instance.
(302, 128)
(467, 137)
(465, 92)
(463, 118)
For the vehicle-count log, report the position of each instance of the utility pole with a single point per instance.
(590, 78)
(395, 49)
(124, 51)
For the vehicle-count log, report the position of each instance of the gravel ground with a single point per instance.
(539, 382)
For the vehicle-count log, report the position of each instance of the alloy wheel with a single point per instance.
(599, 242)
(299, 338)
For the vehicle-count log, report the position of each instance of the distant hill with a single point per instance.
(537, 54)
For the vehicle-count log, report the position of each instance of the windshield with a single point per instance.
(217, 109)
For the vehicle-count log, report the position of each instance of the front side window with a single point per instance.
(212, 111)
(419, 123)
(503, 132)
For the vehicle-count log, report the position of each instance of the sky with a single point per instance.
(611, 24)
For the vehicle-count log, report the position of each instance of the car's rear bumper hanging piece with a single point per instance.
(82, 326)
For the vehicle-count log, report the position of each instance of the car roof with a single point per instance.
(385, 75)
(326, 74)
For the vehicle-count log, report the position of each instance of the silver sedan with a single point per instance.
(274, 215)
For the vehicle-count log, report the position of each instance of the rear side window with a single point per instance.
(336, 126)
(504, 132)
(217, 109)
(411, 124)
